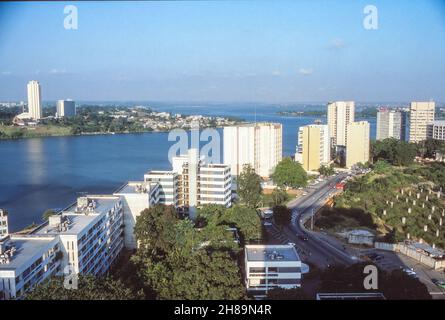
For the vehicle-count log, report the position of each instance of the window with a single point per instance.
(257, 270)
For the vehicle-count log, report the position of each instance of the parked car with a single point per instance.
(439, 283)
(302, 237)
(267, 224)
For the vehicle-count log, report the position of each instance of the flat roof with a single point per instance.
(271, 253)
(439, 123)
(26, 249)
(78, 220)
(131, 187)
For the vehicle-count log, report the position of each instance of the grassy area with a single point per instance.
(379, 196)
(11, 132)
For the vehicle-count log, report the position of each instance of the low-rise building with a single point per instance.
(271, 266)
(437, 130)
(85, 238)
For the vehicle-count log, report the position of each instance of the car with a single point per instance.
(267, 224)
(291, 244)
(439, 283)
(409, 271)
(304, 194)
(302, 237)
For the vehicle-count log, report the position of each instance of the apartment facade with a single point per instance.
(168, 186)
(421, 117)
(257, 144)
(391, 124)
(313, 148)
(3, 223)
(200, 183)
(66, 109)
(34, 100)
(85, 238)
(340, 114)
(136, 196)
(437, 130)
(358, 143)
(271, 266)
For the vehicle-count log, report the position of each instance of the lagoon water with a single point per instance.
(41, 173)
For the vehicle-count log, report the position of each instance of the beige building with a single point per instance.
(340, 114)
(257, 144)
(34, 100)
(357, 147)
(313, 148)
(421, 117)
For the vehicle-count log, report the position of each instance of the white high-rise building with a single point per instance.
(136, 196)
(358, 143)
(421, 117)
(3, 223)
(168, 186)
(200, 183)
(313, 148)
(66, 108)
(391, 124)
(340, 114)
(34, 100)
(257, 144)
(437, 130)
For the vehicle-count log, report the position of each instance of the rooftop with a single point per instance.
(135, 187)
(26, 248)
(271, 253)
(439, 123)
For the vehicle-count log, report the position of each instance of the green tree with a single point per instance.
(279, 196)
(48, 213)
(289, 173)
(249, 187)
(282, 215)
(326, 170)
(89, 288)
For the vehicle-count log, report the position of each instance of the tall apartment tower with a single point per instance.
(257, 144)
(200, 183)
(421, 117)
(66, 108)
(340, 114)
(34, 100)
(391, 124)
(357, 147)
(313, 146)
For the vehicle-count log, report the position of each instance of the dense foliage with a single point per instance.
(249, 187)
(180, 259)
(289, 173)
(282, 215)
(396, 152)
(89, 288)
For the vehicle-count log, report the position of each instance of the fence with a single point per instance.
(412, 253)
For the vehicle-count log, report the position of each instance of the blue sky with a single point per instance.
(225, 51)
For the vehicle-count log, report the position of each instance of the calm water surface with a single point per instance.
(41, 173)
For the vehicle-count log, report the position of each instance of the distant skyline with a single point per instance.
(225, 51)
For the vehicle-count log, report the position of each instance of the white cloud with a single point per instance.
(6, 73)
(305, 71)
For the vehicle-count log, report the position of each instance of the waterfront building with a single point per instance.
(3, 223)
(66, 108)
(168, 186)
(313, 148)
(34, 100)
(421, 117)
(437, 130)
(85, 238)
(257, 144)
(391, 124)
(358, 143)
(136, 197)
(271, 266)
(340, 114)
(200, 183)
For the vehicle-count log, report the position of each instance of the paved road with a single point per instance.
(316, 249)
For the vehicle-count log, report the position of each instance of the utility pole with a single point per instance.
(312, 220)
